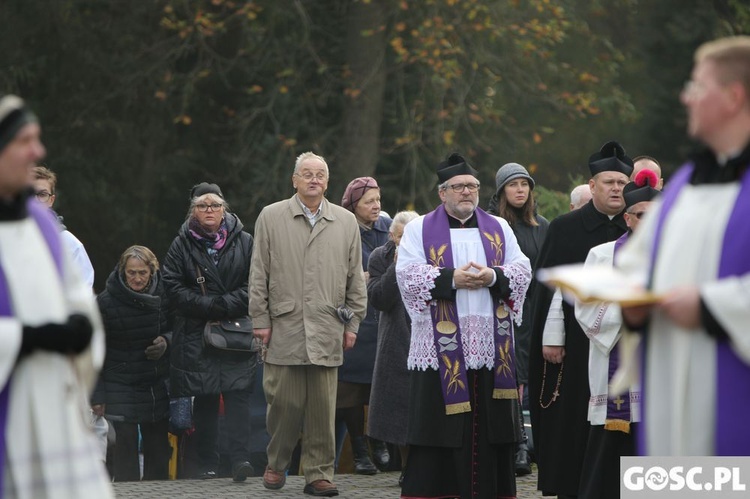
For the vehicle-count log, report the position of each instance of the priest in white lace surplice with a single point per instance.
(463, 279)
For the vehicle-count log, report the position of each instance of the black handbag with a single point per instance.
(235, 335)
(230, 335)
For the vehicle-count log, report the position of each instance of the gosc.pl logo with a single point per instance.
(676, 478)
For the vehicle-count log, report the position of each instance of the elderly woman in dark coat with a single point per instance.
(132, 388)
(389, 396)
(513, 201)
(362, 197)
(206, 273)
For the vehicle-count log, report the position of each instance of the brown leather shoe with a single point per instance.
(273, 480)
(321, 488)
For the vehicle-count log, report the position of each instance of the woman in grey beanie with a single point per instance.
(514, 202)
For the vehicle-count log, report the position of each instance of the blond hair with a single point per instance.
(732, 58)
(141, 253)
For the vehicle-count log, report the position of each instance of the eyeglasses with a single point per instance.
(637, 214)
(43, 196)
(307, 176)
(205, 207)
(459, 188)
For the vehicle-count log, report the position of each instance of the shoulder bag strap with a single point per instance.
(200, 280)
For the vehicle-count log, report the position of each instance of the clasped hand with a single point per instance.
(156, 349)
(473, 276)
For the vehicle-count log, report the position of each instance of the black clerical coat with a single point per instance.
(561, 430)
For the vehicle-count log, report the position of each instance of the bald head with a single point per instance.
(580, 196)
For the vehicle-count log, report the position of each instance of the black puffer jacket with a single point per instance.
(195, 370)
(133, 387)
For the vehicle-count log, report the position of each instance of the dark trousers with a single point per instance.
(236, 425)
(156, 451)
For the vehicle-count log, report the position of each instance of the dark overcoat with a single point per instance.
(389, 396)
(561, 430)
(360, 360)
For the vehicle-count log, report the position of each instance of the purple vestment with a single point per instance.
(437, 247)
(733, 374)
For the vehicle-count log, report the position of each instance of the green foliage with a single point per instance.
(550, 203)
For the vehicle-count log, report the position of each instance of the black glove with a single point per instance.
(218, 308)
(72, 337)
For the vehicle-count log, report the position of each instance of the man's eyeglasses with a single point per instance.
(205, 207)
(307, 176)
(459, 188)
(637, 214)
(43, 196)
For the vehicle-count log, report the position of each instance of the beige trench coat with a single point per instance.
(299, 275)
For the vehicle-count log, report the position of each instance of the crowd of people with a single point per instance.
(422, 338)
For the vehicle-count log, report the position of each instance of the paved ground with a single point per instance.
(382, 485)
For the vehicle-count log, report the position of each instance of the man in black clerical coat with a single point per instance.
(558, 360)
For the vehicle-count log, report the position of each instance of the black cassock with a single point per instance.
(561, 430)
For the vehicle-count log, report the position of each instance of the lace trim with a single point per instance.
(416, 282)
(476, 339)
(520, 278)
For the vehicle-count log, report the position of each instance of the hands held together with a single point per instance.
(473, 276)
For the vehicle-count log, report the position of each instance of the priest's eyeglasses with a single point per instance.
(459, 188)
(637, 214)
(205, 207)
(43, 196)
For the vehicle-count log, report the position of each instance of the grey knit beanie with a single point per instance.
(511, 171)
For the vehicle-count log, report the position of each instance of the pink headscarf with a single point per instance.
(355, 190)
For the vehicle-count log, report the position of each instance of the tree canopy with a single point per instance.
(141, 100)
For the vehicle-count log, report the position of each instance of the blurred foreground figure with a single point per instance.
(52, 336)
(692, 249)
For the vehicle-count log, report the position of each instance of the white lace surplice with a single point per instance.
(475, 308)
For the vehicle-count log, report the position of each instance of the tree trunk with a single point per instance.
(363, 108)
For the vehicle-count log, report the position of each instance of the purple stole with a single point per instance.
(436, 240)
(51, 232)
(618, 409)
(733, 374)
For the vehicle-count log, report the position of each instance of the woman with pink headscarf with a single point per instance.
(362, 197)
